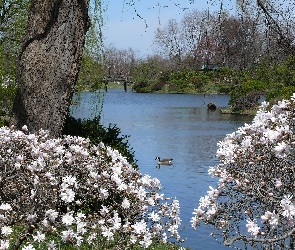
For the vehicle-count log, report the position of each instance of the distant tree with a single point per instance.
(119, 63)
(169, 41)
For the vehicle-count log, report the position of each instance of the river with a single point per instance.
(177, 126)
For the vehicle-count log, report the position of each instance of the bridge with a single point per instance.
(123, 80)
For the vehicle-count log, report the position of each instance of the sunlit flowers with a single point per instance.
(55, 181)
(255, 191)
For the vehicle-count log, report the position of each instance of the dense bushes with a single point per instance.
(96, 133)
(46, 185)
(185, 81)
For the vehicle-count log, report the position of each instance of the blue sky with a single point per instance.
(124, 29)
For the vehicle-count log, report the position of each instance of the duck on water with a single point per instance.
(163, 161)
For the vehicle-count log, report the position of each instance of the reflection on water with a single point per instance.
(171, 126)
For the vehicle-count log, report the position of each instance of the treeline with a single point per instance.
(251, 49)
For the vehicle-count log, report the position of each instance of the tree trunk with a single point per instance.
(49, 63)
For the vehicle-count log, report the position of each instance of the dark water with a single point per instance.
(172, 126)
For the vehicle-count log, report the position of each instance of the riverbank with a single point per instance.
(248, 112)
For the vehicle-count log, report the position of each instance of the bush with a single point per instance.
(96, 133)
(254, 203)
(47, 183)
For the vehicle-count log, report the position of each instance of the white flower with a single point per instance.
(5, 207)
(31, 217)
(103, 193)
(67, 235)
(146, 180)
(139, 227)
(28, 247)
(81, 227)
(213, 193)
(289, 211)
(39, 237)
(104, 210)
(68, 219)
(252, 227)
(67, 195)
(51, 214)
(205, 201)
(282, 149)
(107, 233)
(116, 220)
(125, 203)
(70, 180)
(154, 216)
(146, 241)
(91, 237)
(4, 244)
(246, 143)
(25, 128)
(80, 216)
(6, 230)
(270, 217)
(198, 212)
(51, 245)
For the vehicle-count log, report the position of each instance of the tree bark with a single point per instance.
(49, 63)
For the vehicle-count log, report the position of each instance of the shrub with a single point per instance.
(7, 93)
(254, 202)
(45, 183)
(96, 133)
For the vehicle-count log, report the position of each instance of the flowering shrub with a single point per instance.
(254, 202)
(79, 193)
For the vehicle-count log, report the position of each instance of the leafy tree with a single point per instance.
(13, 16)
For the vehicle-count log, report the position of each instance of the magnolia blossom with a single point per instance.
(60, 177)
(4, 244)
(6, 230)
(51, 214)
(125, 203)
(108, 234)
(68, 219)
(67, 195)
(282, 149)
(39, 237)
(103, 193)
(256, 175)
(28, 247)
(270, 217)
(154, 216)
(67, 235)
(5, 207)
(252, 227)
(139, 227)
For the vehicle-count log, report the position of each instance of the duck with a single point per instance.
(164, 161)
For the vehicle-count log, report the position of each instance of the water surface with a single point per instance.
(177, 126)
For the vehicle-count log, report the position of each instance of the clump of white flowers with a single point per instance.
(254, 201)
(78, 193)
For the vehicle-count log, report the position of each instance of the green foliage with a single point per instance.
(276, 81)
(7, 94)
(146, 74)
(90, 75)
(96, 133)
(245, 88)
(13, 20)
